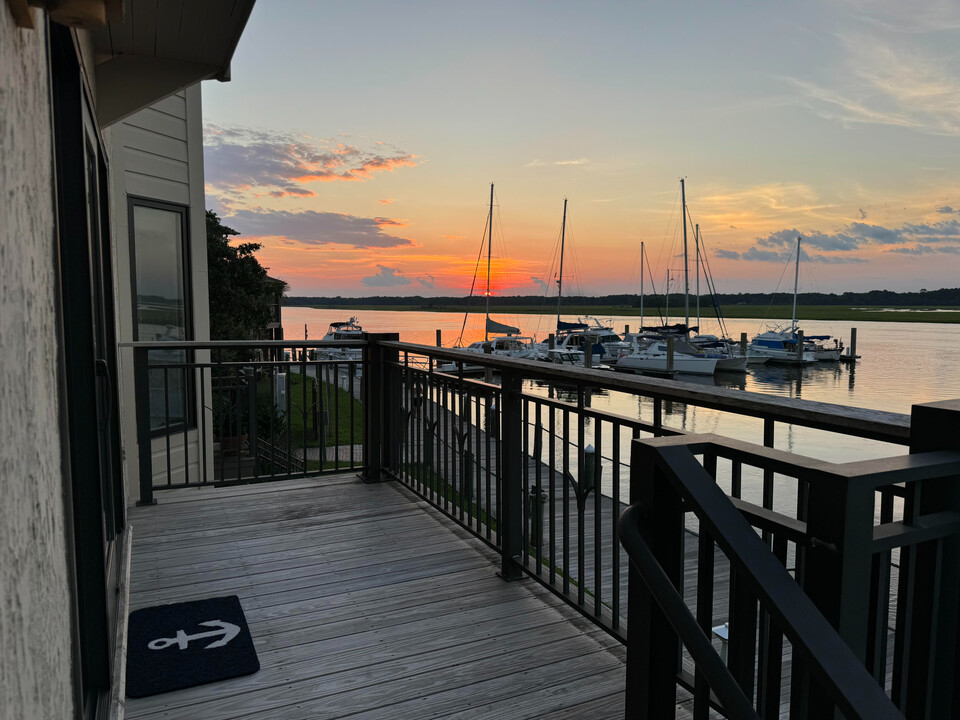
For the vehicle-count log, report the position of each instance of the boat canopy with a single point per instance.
(561, 325)
(494, 327)
(675, 329)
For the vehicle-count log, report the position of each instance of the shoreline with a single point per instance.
(769, 313)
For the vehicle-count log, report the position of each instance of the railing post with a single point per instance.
(251, 374)
(511, 448)
(653, 646)
(141, 384)
(838, 564)
(932, 652)
(377, 410)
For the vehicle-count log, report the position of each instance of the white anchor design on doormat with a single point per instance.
(228, 631)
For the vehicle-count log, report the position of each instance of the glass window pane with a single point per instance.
(158, 249)
(161, 312)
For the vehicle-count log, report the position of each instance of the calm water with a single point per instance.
(903, 364)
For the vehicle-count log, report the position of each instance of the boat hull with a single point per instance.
(639, 362)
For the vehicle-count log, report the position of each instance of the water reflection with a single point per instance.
(788, 380)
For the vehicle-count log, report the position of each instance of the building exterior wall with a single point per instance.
(157, 154)
(35, 614)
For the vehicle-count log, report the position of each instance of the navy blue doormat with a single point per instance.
(171, 647)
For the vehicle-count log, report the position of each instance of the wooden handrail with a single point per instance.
(874, 424)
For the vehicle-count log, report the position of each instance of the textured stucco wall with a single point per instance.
(35, 637)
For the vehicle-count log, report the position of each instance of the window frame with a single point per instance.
(190, 399)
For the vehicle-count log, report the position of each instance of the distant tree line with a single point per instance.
(942, 297)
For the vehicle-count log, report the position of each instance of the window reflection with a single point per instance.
(161, 309)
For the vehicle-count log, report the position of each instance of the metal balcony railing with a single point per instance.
(863, 555)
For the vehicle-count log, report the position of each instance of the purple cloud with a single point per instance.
(238, 159)
(386, 277)
(317, 228)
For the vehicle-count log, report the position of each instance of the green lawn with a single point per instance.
(307, 400)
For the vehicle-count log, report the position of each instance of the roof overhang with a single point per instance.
(159, 48)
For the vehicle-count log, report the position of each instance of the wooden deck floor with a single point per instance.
(364, 603)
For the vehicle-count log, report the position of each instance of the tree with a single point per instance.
(241, 295)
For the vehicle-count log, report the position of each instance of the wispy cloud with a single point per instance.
(385, 201)
(926, 250)
(317, 228)
(239, 160)
(539, 282)
(386, 277)
(912, 239)
(915, 17)
(542, 163)
(890, 80)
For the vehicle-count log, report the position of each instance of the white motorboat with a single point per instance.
(338, 331)
(779, 346)
(345, 330)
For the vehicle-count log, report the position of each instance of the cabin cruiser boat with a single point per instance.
(607, 345)
(779, 346)
(341, 330)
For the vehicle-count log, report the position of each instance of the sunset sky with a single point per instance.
(357, 142)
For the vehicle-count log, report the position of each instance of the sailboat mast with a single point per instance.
(641, 286)
(696, 240)
(686, 267)
(563, 234)
(489, 253)
(796, 279)
(667, 311)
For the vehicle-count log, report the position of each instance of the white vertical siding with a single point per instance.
(157, 154)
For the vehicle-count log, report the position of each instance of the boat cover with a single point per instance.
(494, 327)
(675, 329)
(561, 325)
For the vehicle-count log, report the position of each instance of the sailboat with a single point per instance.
(649, 350)
(780, 345)
(503, 339)
(720, 352)
(571, 336)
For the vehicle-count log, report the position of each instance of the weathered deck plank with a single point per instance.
(362, 602)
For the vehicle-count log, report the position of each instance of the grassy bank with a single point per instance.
(772, 312)
(305, 396)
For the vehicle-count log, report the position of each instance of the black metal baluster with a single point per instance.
(565, 439)
(705, 578)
